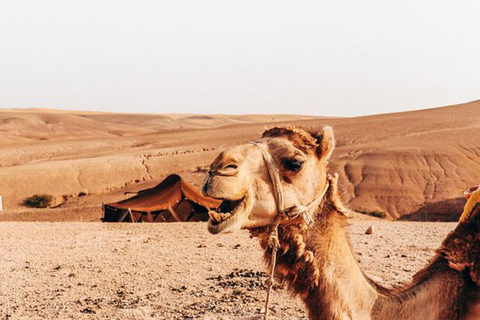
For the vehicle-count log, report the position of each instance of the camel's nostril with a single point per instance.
(227, 169)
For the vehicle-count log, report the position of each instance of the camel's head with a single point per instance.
(239, 176)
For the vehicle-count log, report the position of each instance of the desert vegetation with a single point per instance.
(39, 201)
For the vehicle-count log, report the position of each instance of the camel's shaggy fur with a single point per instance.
(300, 138)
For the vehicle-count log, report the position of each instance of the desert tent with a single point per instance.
(172, 200)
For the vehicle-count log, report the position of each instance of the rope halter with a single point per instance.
(284, 214)
(297, 210)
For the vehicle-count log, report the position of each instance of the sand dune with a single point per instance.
(413, 164)
(43, 124)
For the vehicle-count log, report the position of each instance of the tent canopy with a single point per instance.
(172, 194)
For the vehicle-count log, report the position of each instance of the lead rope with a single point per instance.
(274, 243)
(293, 212)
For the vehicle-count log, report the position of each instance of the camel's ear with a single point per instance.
(326, 142)
(461, 249)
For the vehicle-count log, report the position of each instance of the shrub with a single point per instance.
(376, 214)
(39, 201)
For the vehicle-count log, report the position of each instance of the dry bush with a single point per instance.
(39, 201)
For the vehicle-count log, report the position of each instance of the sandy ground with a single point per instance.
(172, 271)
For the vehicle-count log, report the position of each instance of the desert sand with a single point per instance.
(411, 164)
(172, 271)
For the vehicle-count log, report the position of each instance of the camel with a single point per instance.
(315, 258)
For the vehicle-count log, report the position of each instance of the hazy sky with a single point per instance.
(331, 57)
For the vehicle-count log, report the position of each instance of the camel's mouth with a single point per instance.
(227, 217)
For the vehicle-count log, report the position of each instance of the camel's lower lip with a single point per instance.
(226, 216)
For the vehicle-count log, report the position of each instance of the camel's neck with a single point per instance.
(318, 264)
(342, 289)
(437, 292)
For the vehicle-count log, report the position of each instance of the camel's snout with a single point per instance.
(223, 169)
(228, 176)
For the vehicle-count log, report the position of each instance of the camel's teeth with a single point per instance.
(214, 216)
(217, 217)
(225, 216)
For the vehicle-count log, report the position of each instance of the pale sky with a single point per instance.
(336, 57)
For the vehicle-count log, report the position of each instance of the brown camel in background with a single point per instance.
(316, 259)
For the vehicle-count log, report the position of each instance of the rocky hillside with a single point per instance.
(411, 164)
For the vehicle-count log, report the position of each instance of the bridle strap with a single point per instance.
(295, 211)
(290, 213)
(274, 177)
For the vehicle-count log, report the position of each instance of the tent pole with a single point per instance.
(192, 211)
(161, 217)
(149, 216)
(131, 215)
(124, 215)
(174, 214)
(157, 215)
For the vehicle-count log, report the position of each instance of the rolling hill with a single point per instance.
(411, 165)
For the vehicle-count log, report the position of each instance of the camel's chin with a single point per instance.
(229, 216)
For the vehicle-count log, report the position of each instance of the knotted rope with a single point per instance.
(288, 214)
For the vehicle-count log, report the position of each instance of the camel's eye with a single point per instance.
(292, 164)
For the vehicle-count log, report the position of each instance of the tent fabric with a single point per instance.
(156, 204)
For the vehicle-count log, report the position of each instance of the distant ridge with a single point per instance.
(412, 164)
